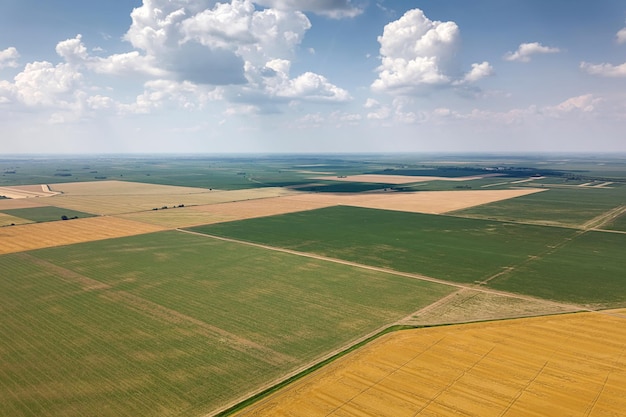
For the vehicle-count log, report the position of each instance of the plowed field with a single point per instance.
(43, 235)
(550, 366)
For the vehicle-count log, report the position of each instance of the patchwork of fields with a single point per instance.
(127, 313)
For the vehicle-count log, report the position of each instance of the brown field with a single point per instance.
(565, 365)
(116, 197)
(42, 235)
(393, 179)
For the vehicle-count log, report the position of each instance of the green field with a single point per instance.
(589, 269)
(570, 207)
(437, 246)
(176, 324)
(45, 214)
(451, 248)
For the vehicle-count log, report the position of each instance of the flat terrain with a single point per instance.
(172, 323)
(44, 235)
(202, 281)
(537, 366)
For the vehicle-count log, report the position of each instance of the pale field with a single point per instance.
(6, 220)
(8, 204)
(469, 305)
(116, 197)
(223, 212)
(564, 365)
(26, 191)
(432, 202)
(42, 235)
(394, 179)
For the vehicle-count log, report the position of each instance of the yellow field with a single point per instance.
(116, 197)
(566, 365)
(42, 235)
(8, 204)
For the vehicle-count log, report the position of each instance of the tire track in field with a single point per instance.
(165, 314)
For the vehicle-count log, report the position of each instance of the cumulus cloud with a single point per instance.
(8, 58)
(526, 50)
(604, 70)
(335, 9)
(413, 49)
(417, 52)
(478, 72)
(308, 86)
(586, 103)
(621, 36)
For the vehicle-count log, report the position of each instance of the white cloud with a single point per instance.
(417, 52)
(586, 103)
(8, 58)
(42, 83)
(335, 9)
(604, 70)
(621, 36)
(478, 72)
(307, 87)
(526, 50)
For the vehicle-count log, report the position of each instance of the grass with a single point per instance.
(176, 324)
(445, 247)
(619, 223)
(46, 214)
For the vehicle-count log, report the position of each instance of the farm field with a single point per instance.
(117, 197)
(114, 327)
(8, 220)
(560, 264)
(45, 213)
(535, 366)
(420, 243)
(570, 207)
(392, 179)
(43, 235)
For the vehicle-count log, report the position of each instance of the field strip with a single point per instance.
(158, 311)
(391, 271)
(395, 179)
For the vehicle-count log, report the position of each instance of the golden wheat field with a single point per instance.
(563, 365)
(42, 235)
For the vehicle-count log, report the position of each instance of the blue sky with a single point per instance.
(312, 76)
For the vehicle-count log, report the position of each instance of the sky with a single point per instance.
(312, 76)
